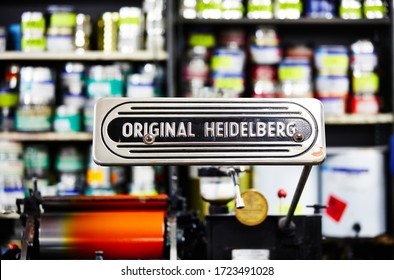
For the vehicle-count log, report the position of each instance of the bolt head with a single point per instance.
(298, 136)
(149, 139)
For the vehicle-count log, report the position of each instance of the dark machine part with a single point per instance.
(284, 237)
(185, 232)
(225, 233)
(30, 212)
(192, 241)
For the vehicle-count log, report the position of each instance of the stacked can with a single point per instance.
(107, 32)
(332, 80)
(3, 39)
(98, 178)
(209, 9)
(36, 100)
(61, 29)
(295, 77)
(196, 68)
(375, 9)
(70, 169)
(188, 9)
(83, 30)
(143, 180)
(213, 9)
(320, 9)
(33, 32)
(288, 9)
(228, 63)
(73, 84)
(146, 83)
(11, 174)
(232, 9)
(68, 117)
(102, 81)
(37, 165)
(265, 53)
(260, 9)
(365, 80)
(131, 29)
(350, 9)
(155, 27)
(9, 96)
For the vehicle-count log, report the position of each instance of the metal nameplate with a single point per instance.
(194, 131)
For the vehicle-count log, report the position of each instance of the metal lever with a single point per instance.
(285, 223)
(239, 202)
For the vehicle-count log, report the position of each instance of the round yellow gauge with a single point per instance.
(255, 210)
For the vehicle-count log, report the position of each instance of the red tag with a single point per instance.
(335, 208)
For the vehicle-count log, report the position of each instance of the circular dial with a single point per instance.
(255, 210)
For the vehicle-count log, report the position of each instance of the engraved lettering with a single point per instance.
(234, 129)
(209, 129)
(244, 129)
(138, 130)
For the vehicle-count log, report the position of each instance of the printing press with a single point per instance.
(218, 135)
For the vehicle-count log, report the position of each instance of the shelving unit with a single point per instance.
(346, 130)
(46, 136)
(56, 61)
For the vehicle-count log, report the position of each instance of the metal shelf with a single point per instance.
(350, 119)
(46, 136)
(300, 21)
(85, 56)
(345, 119)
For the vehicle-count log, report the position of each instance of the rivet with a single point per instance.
(298, 136)
(149, 139)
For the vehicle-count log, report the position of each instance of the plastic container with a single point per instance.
(295, 77)
(33, 31)
(363, 56)
(60, 39)
(216, 187)
(332, 60)
(209, 9)
(3, 39)
(334, 105)
(269, 180)
(350, 9)
(131, 29)
(11, 174)
(67, 119)
(83, 31)
(232, 9)
(332, 86)
(260, 9)
(353, 189)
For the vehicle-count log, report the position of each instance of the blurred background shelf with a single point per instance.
(346, 119)
(300, 21)
(46, 136)
(140, 55)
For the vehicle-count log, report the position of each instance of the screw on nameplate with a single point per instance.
(298, 136)
(149, 139)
